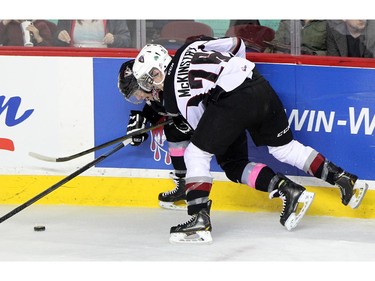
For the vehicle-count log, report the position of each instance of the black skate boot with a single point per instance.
(174, 199)
(292, 194)
(352, 193)
(196, 230)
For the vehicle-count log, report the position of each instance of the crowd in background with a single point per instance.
(346, 38)
(66, 33)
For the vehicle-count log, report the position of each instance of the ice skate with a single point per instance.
(174, 199)
(352, 191)
(197, 230)
(292, 194)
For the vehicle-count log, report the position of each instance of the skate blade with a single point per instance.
(306, 199)
(200, 237)
(359, 189)
(179, 206)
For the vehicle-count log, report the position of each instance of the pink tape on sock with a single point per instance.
(177, 151)
(254, 174)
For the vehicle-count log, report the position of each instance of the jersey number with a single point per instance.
(196, 76)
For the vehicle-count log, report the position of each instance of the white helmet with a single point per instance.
(150, 57)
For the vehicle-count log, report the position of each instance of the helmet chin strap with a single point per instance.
(161, 83)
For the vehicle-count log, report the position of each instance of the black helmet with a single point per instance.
(127, 84)
(126, 80)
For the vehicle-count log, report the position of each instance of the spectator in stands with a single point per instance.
(92, 34)
(41, 32)
(313, 38)
(351, 38)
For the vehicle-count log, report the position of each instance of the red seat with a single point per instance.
(253, 35)
(175, 33)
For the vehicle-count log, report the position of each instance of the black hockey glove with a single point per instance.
(182, 125)
(137, 122)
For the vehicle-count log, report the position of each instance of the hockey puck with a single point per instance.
(39, 228)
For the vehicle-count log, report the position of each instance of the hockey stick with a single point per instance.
(64, 180)
(95, 148)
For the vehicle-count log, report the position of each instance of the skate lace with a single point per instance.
(170, 192)
(175, 179)
(282, 197)
(193, 217)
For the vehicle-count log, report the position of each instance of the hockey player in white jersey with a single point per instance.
(154, 112)
(210, 87)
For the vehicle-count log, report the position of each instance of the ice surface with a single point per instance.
(122, 240)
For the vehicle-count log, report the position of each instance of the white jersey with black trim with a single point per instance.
(201, 67)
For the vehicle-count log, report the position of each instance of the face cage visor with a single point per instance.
(146, 81)
(137, 95)
(130, 89)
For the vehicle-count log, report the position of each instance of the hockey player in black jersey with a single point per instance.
(216, 91)
(154, 112)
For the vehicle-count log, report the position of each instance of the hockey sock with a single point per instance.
(264, 178)
(197, 196)
(316, 165)
(257, 175)
(179, 166)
